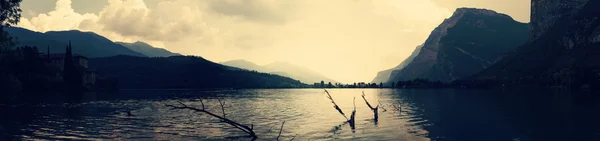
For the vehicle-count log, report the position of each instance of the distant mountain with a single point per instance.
(148, 50)
(464, 44)
(303, 74)
(88, 44)
(183, 72)
(384, 76)
(245, 65)
(564, 51)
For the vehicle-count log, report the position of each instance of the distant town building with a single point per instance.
(89, 76)
(362, 84)
(317, 85)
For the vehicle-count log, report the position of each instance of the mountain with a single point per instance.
(303, 74)
(245, 65)
(183, 72)
(384, 76)
(88, 44)
(464, 44)
(148, 50)
(564, 52)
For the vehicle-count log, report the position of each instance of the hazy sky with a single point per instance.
(346, 40)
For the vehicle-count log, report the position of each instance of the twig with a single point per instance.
(271, 128)
(202, 104)
(293, 137)
(222, 107)
(382, 106)
(399, 109)
(242, 127)
(281, 129)
(335, 105)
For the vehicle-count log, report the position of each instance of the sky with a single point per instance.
(346, 40)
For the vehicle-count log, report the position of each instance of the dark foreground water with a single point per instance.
(453, 115)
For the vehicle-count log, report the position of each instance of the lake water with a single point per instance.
(441, 114)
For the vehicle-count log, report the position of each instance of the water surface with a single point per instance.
(421, 115)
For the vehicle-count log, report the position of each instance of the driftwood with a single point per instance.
(349, 120)
(374, 109)
(249, 130)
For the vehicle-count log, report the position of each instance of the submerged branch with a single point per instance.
(293, 137)
(242, 127)
(222, 107)
(382, 106)
(398, 108)
(374, 109)
(280, 129)
(351, 120)
(335, 105)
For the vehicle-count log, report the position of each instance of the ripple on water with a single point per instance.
(307, 113)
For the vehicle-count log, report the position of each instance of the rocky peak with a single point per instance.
(464, 23)
(479, 12)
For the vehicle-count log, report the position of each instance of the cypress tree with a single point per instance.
(72, 77)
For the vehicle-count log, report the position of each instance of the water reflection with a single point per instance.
(420, 114)
(505, 115)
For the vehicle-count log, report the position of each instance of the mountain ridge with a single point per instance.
(286, 69)
(147, 49)
(183, 72)
(88, 44)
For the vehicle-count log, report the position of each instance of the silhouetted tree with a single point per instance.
(10, 14)
(322, 84)
(329, 85)
(72, 77)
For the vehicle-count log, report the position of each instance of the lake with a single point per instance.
(410, 114)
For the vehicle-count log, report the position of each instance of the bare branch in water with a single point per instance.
(335, 105)
(222, 107)
(351, 120)
(375, 111)
(202, 104)
(381, 106)
(398, 108)
(293, 137)
(271, 128)
(280, 129)
(242, 127)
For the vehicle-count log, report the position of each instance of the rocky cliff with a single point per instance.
(545, 13)
(563, 54)
(467, 42)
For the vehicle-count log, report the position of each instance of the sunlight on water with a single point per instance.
(416, 115)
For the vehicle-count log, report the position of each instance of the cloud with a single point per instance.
(343, 39)
(62, 17)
